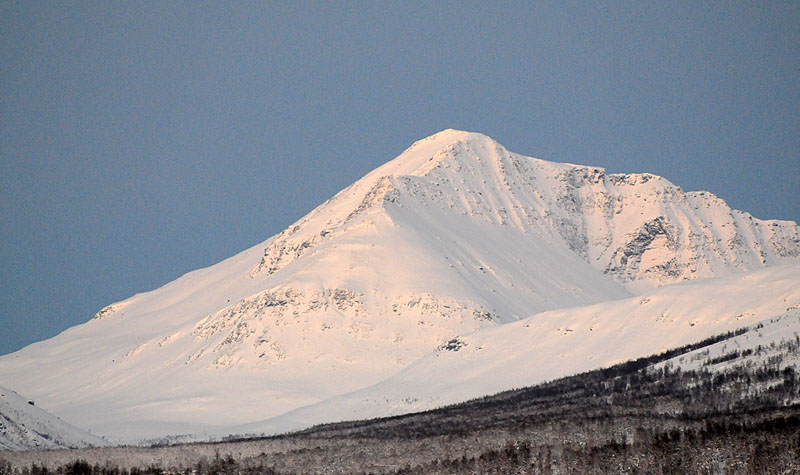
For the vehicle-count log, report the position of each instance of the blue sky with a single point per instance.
(142, 140)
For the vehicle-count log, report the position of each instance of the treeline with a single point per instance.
(216, 466)
(768, 448)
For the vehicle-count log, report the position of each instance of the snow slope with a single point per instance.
(774, 342)
(453, 236)
(564, 342)
(24, 426)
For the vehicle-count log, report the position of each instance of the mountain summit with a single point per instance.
(640, 229)
(455, 235)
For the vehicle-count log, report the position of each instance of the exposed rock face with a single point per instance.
(653, 235)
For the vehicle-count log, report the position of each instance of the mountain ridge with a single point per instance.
(454, 236)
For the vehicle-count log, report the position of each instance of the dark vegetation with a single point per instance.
(635, 417)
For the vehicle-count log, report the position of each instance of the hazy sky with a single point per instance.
(142, 140)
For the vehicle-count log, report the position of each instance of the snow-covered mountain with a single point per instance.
(23, 426)
(453, 236)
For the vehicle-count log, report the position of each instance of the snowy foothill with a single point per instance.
(23, 426)
(564, 342)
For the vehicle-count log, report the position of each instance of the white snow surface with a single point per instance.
(564, 342)
(23, 426)
(455, 236)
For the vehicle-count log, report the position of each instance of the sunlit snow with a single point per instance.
(457, 236)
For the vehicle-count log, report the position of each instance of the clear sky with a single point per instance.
(142, 140)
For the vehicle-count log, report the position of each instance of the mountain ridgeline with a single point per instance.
(632, 227)
(455, 236)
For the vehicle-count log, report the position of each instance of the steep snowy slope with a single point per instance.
(563, 342)
(638, 228)
(23, 426)
(455, 235)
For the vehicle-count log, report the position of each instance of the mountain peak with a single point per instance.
(446, 138)
(449, 135)
(455, 235)
(426, 153)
